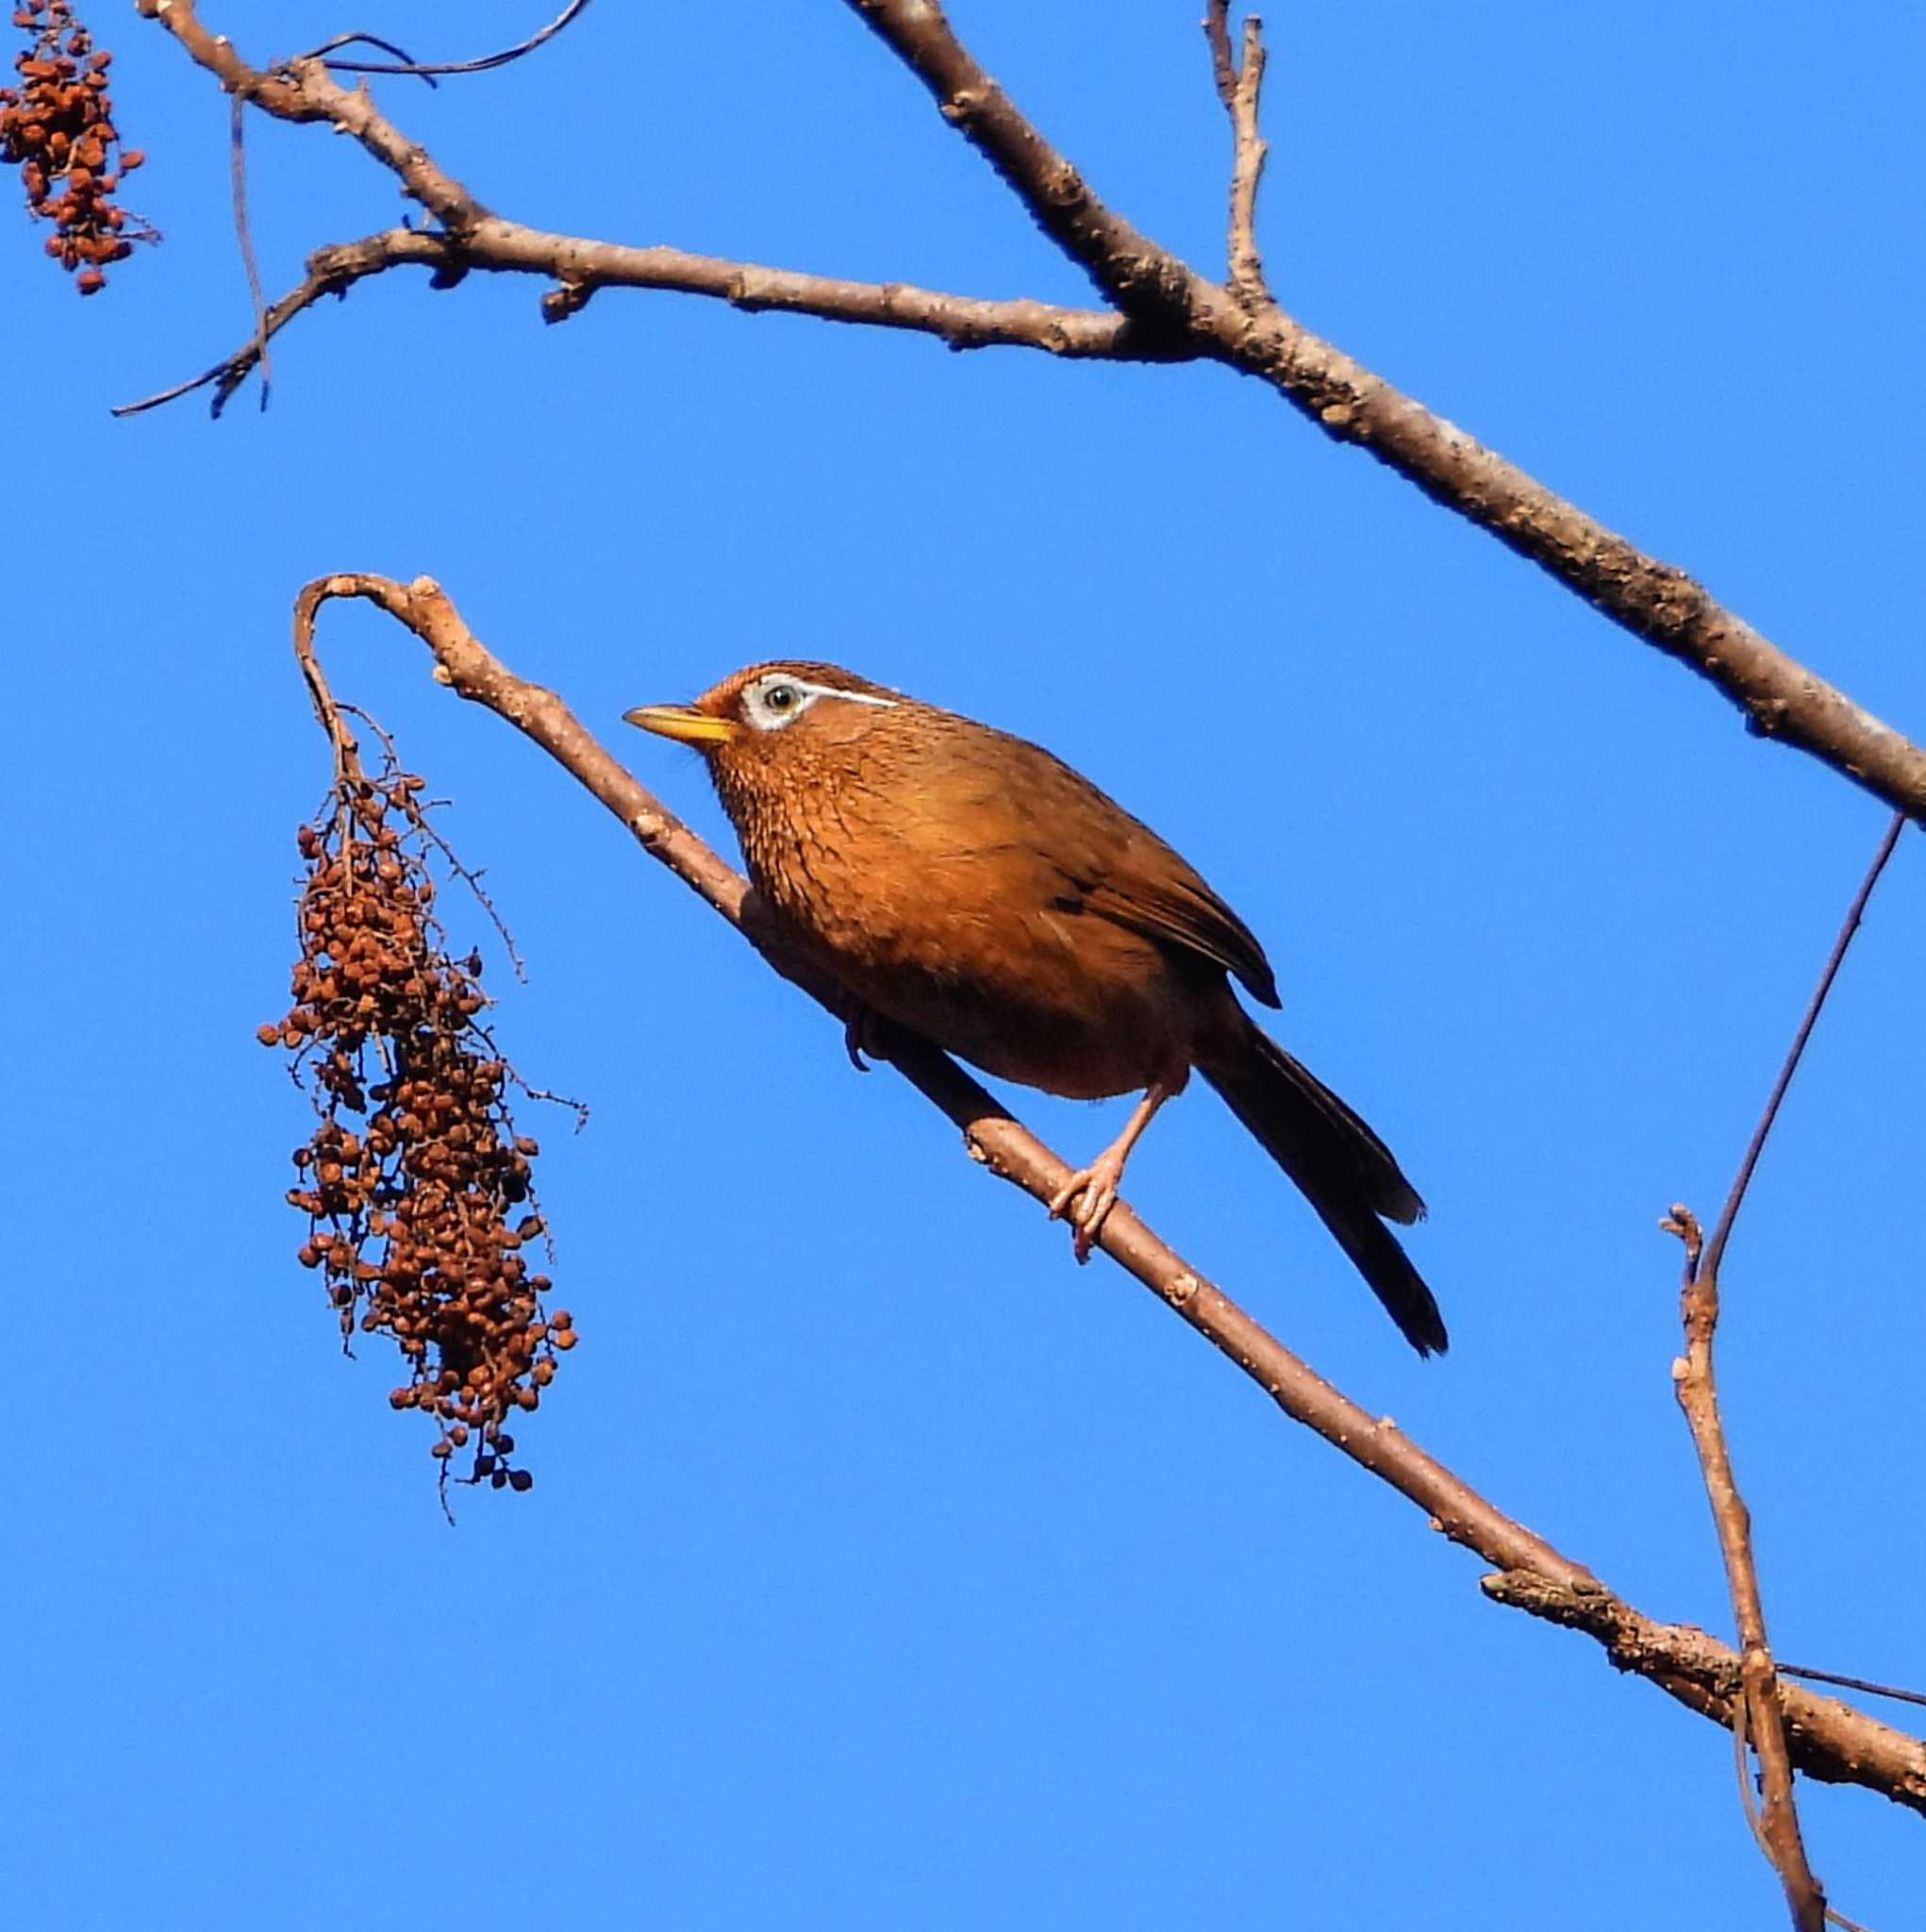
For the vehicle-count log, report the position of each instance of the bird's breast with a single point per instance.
(960, 924)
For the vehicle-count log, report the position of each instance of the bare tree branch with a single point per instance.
(1693, 1378)
(1698, 1391)
(1168, 313)
(1240, 89)
(579, 267)
(1653, 600)
(1829, 1739)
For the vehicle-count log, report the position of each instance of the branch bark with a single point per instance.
(1827, 1739)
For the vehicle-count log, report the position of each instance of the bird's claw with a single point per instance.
(859, 1038)
(1093, 1192)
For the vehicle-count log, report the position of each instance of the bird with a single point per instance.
(968, 885)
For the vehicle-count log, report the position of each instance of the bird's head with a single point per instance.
(773, 717)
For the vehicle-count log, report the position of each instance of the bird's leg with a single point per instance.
(1094, 1187)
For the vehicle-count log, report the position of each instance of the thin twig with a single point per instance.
(1696, 1385)
(1865, 1684)
(1240, 89)
(428, 69)
(1833, 1740)
(470, 877)
(1742, 1770)
(236, 177)
(1697, 1389)
(1835, 1917)
(1721, 1233)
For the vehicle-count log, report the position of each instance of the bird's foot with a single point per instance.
(1085, 1201)
(861, 1035)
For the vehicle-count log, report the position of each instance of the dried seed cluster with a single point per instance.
(58, 125)
(414, 1171)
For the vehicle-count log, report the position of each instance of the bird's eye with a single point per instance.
(779, 697)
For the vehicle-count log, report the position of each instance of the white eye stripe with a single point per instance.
(830, 691)
(854, 697)
(768, 717)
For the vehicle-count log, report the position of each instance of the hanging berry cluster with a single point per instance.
(57, 127)
(416, 1186)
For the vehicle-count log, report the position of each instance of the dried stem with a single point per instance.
(244, 236)
(1698, 1393)
(1829, 1739)
(1240, 89)
(426, 70)
(1867, 1685)
(1163, 310)
(1721, 1233)
(1777, 1825)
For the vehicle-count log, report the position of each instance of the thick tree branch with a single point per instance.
(1125, 264)
(1828, 1739)
(1653, 600)
(1170, 313)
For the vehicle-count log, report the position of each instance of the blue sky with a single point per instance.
(882, 1568)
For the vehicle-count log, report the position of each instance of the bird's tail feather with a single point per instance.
(1339, 1166)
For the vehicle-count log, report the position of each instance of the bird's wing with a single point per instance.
(1167, 901)
(1116, 867)
(1038, 828)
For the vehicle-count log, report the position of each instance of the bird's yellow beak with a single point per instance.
(681, 722)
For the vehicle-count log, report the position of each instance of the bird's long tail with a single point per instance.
(1341, 1168)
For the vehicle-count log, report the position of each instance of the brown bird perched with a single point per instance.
(971, 888)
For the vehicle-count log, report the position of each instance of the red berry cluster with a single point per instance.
(416, 1186)
(58, 125)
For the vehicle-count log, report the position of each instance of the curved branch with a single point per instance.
(1829, 1739)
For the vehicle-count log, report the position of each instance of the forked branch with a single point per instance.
(1760, 1711)
(1239, 88)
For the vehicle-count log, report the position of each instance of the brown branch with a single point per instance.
(1239, 91)
(579, 266)
(1140, 278)
(331, 271)
(1698, 1393)
(1697, 1387)
(1829, 1739)
(1179, 315)
(1703, 1674)
(1653, 600)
